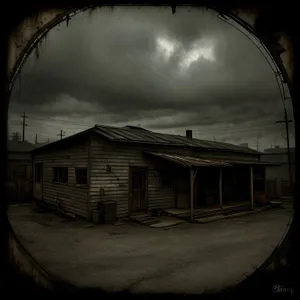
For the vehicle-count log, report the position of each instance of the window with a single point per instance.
(60, 174)
(37, 172)
(81, 175)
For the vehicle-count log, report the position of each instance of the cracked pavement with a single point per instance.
(187, 258)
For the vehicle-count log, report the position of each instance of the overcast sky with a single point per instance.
(147, 67)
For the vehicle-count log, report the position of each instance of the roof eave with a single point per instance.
(60, 142)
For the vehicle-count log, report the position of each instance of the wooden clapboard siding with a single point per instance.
(73, 198)
(113, 186)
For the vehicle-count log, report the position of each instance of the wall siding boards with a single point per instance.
(113, 186)
(73, 198)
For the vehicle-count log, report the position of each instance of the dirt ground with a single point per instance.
(187, 258)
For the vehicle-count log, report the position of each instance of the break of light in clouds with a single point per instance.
(200, 50)
(145, 66)
(166, 47)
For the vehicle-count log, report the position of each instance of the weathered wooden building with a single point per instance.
(140, 170)
(277, 175)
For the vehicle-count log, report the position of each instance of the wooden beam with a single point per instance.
(221, 188)
(251, 189)
(192, 192)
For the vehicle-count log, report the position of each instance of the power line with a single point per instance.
(41, 118)
(231, 128)
(59, 120)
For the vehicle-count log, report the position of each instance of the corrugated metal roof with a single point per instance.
(189, 161)
(133, 135)
(222, 145)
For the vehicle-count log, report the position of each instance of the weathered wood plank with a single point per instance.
(72, 197)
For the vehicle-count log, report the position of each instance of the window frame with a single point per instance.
(57, 175)
(76, 176)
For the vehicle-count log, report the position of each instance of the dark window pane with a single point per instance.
(60, 174)
(81, 176)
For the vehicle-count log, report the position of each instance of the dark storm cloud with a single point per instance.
(109, 64)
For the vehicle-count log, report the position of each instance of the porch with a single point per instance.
(226, 209)
(206, 187)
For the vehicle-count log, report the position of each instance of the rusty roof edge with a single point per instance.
(169, 157)
(266, 163)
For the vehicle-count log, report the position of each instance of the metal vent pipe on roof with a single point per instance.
(189, 134)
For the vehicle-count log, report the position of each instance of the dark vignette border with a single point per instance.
(274, 17)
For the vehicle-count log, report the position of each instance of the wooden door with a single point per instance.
(138, 190)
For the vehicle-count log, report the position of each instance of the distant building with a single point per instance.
(140, 170)
(19, 170)
(277, 176)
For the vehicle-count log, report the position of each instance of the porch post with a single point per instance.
(221, 189)
(192, 192)
(251, 188)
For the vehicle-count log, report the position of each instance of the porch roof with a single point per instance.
(247, 162)
(188, 161)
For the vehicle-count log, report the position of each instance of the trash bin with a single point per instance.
(108, 211)
(96, 217)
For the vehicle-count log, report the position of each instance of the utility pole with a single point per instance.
(61, 134)
(24, 124)
(286, 121)
(257, 144)
(36, 138)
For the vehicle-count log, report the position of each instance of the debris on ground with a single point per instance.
(118, 223)
(167, 223)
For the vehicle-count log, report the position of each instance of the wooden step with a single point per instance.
(208, 213)
(150, 221)
(240, 214)
(144, 219)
